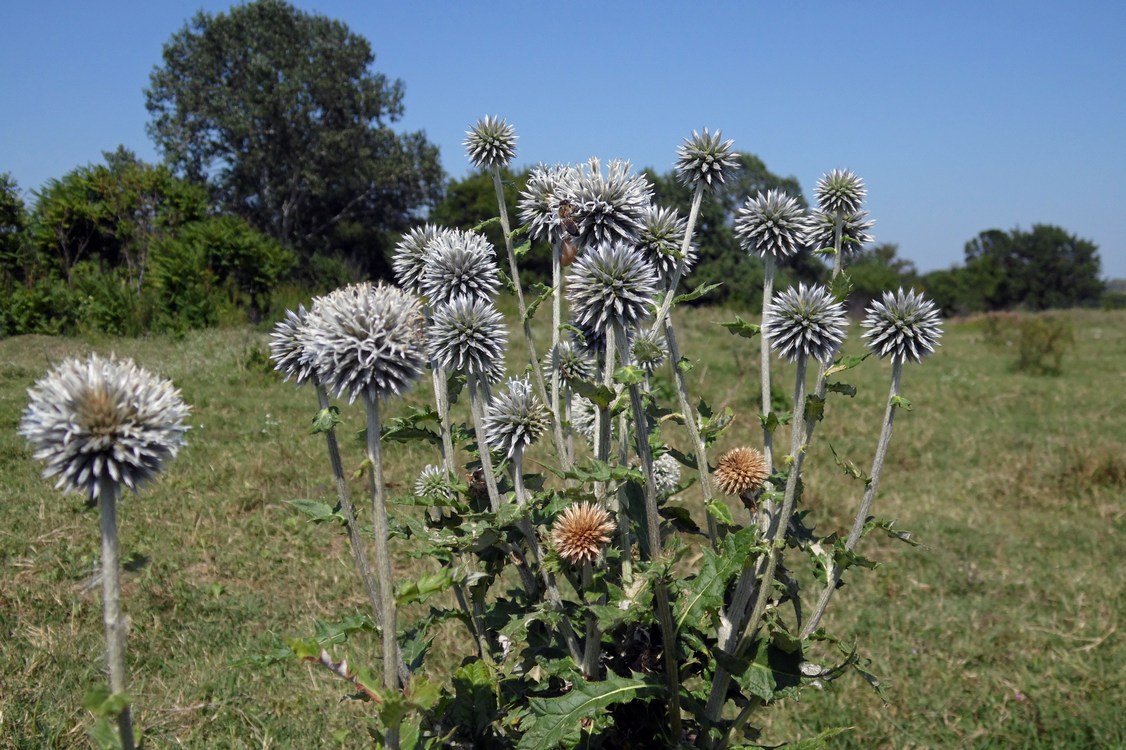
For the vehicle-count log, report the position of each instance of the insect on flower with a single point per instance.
(570, 250)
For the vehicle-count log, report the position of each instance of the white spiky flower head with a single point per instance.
(409, 260)
(366, 339)
(608, 206)
(705, 159)
(583, 416)
(468, 335)
(666, 474)
(572, 362)
(516, 418)
(459, 264)
(854, 231)
(612, 284)
(103, 419)
(649, 349)
(491, 143)
(903, 325)
(660, 238)
(432, 483)
(840, 192)
(287, 347)
(773, 224)
(539, 201)
(806, 320)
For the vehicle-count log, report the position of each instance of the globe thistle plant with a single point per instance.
(468, 335)
(853, 231)
(840, 192)
(432, 483)
(364, 338)
(538, 204)
(772, 224)
(805, 321)
(903, 326)
(649, 349)
(608, 206)
(570, 361)
(409, 260)
(287, 348)
(459, 264)
(705, 159)
(102, 424)
(612, 284)
(516, 418)
(666, 474)
(581, 532)
(661, 238)
(584, 416)
(491, 143)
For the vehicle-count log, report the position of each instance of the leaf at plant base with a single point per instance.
(318, 511)
(767, 672)
(104, 735)
(740, 327)
(703, 593)
(819, 742)
(474, 705)
(326, 420)
(558, 721)
(101, 702)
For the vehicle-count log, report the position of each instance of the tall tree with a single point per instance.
(280, 112)
(13, 223)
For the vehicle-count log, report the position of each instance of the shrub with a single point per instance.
(1038, 340)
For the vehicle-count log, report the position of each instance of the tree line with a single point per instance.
(282, 176)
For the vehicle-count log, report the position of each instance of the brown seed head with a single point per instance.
(581, 531)
(740, 470)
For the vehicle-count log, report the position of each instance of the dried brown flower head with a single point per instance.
(581, 531)
(740, 470)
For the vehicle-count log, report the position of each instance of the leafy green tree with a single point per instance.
(876, 270)
(1038, 269)
(13, 232)
(280, 112)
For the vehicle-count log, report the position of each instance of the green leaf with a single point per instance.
(600, 395)
(814, 407)
(771, 422)
(556, 721)
(318, 511)
(720, 512)
(104, 735)
(900, 403)
(848, 467)
(425, 587)
(684, 365)
(740, 327)
(841, 286)
(543, 292)
(768, 672)
(522, 249)
(703, 593)
(818, 742)
(102, 703)
(630, 375)
(697, 293)
(888, 527)
(493, 222)
(326, 420)
(842, 388)
(846, 363)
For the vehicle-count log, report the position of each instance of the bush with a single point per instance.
(1040, 340)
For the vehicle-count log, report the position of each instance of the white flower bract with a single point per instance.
(287, 348)
(806, 320)
(611, 284)
(409, 260)
(491, 143)
(772, 223)
(457, 264)
(538, 205)
(516, 418)
(97, 419)
(854, 231)
(660, 239)
(903, 325)
(608, 206)
(468, 335)
(705, 159)
(840, 192)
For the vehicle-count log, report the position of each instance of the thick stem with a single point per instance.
(112, 616)
(529, 343)
(602, 453)
(556, 323)
(478, 412)
(442, 402)
(767, 435)
(383, 567)
(865, 504)
(592, 643)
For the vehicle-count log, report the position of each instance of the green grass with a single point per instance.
(1001, 631)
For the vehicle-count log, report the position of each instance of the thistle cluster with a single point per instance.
(608, 206)
(660, 240)
(840, 195)
(515, 418)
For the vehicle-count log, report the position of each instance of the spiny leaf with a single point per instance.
(522, 249)
(494, 221)
(842, 388)
(900, 403)
(704, 592)
(326, 420)
(543, 293)
(425, 587)
(630, 375)
(740, 327)
(848, 467)
(318, 511)
(556, 721)
(846, 363)
(697, 293)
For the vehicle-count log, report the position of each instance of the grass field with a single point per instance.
(1000, 631)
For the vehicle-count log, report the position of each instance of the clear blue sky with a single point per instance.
(960, 116)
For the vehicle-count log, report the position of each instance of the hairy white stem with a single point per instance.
(112, 616)
(767, 435)
(477, 410)
(674, 282)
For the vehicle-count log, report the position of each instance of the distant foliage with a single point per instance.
(1038, 342)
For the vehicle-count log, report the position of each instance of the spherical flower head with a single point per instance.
(367, 339)
(806, 320)
(612, 284)
(705, 159)
(409, 260)
(581, 532)
(904, 326)
(468, 335)
(649, 350)
(432, 483)
(103, 419)
(583, 416)
(287, 347)
(540, 200)
(666, 474)
(840, 192)
(660, 239)
(608, 207)
(854, 231)
(740, 470)
(457, 264)
(516, 418)
(773, 224)
(491, 143)
(570, 361)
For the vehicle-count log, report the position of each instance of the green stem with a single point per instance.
(693, 215)
(112, 616)
(865, 504)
